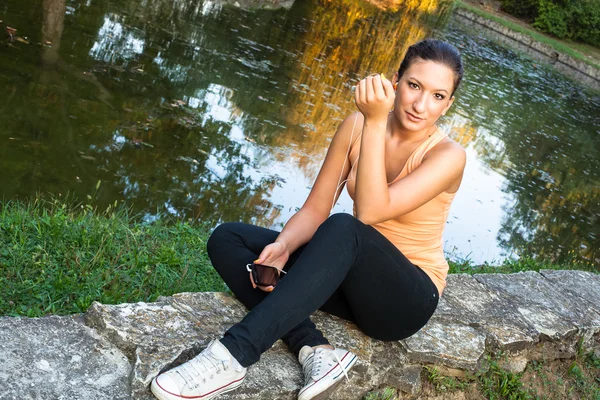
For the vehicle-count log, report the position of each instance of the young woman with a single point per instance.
(382, 268)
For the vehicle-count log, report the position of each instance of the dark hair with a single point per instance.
(437, 51)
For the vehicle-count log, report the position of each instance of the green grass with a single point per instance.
(575, 50)
(445, 383)
(579, 380)
(57, 258)
(510, 266)
(387, 394)
(498, 383)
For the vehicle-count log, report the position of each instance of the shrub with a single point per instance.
(553, 19)
(578, 20)
(524, 9)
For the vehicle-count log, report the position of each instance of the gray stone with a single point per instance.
(582, 285)
(467, 301)
(545, 308)
(515, 365)
(125, 346)
(158, 336)
(164, 334)
(450, 344)
(59, 358)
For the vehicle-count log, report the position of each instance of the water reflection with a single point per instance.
(209, 111)
(537, 129)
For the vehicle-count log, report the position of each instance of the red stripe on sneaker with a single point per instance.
(334, 367)
(202, 395)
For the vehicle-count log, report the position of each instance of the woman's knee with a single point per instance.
(222, 234)
(387, 335)
(341, 222)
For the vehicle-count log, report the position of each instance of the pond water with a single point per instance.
(208, 111)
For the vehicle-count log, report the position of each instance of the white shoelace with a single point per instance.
(311, 367)
(203, 366)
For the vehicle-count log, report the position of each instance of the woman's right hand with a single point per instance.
(275, 255)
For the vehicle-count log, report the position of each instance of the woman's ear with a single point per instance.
(395, 81)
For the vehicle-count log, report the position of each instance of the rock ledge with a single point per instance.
(114, 351)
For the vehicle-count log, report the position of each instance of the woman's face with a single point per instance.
(423, 94)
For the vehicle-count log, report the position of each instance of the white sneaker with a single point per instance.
(210, 373)
(323, 370)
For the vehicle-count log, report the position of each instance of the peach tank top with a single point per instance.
(418, 234)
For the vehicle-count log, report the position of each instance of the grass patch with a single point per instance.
(510, 266)
(387, 394)
(498, 383)
(560, 379)
(443, 383)
(572, 49)
(57, 258)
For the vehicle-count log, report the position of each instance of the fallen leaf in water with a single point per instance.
(187, 159)
(14, 138)
(22, 40)
(88, 158)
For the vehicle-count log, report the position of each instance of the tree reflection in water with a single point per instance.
(189, 107)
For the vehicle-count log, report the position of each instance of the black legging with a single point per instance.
(347, 269)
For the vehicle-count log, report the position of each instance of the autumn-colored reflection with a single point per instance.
(209, 111)
(347, 40)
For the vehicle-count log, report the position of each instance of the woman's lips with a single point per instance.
(412, 117)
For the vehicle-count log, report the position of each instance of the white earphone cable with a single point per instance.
(343, 166)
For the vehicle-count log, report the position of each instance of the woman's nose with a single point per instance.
(420, 104)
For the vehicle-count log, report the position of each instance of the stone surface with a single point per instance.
(160, 335)
(59, 358)
(164, 334)
(114, 351)
(546, 308)
(467, 301)
(581, 285)
(450, 344)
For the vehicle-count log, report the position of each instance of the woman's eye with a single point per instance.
(413, 85)
(439, 96)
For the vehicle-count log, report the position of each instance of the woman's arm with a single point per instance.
(303, 225)
(442, 168)
(375, 201)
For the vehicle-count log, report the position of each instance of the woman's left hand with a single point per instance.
(374, 97)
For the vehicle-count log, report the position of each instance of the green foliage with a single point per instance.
(525, 9)
(580, 380)
(578, 20)
(498, 383)
(387, 394)
(510, 266)
(552, 19)
(444, 383)
(58, 258)
(575, 50)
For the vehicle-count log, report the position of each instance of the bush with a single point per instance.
(553, 19)
(585, 17)
(577, 20)
(524, 9)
